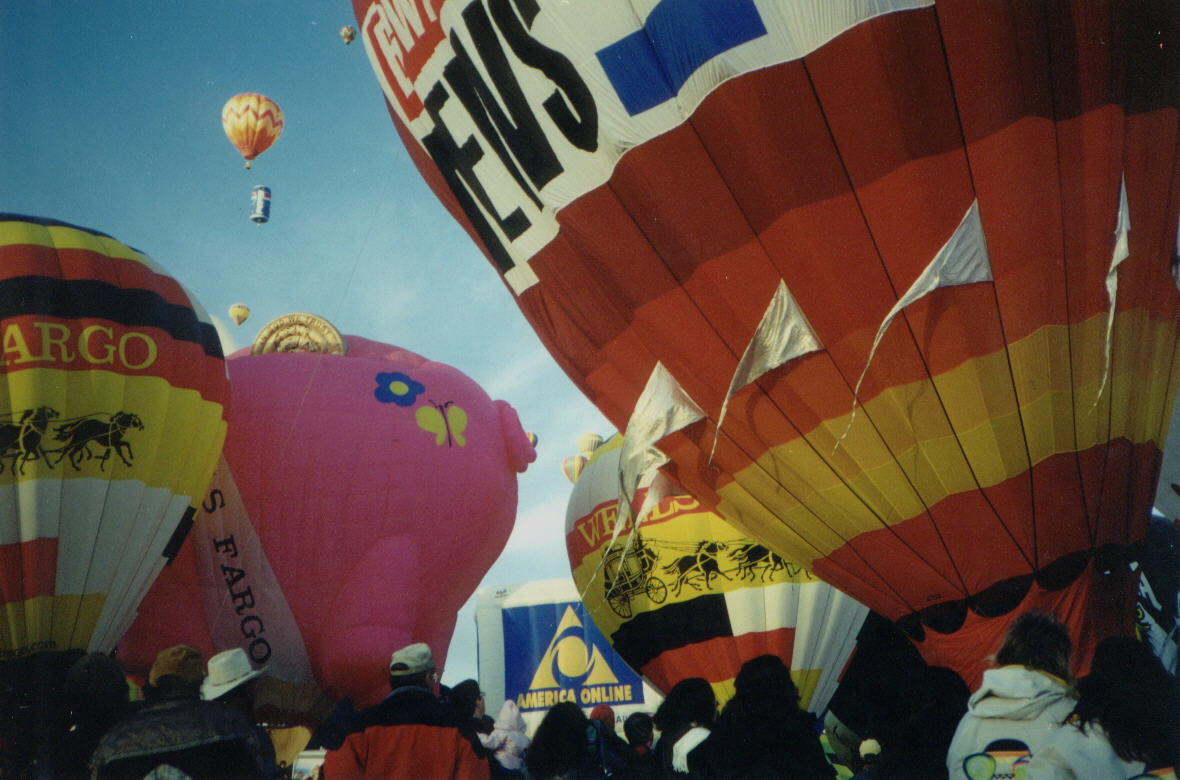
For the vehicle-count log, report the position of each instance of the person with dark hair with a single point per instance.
(467, 700)
(762, 731)
(684, 719)
(410, 733)
(639, 731)
(570, 746)
(913, 744)
(95, 696)
(1123, 723)
(1024, 699)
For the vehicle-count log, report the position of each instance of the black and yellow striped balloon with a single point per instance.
(113, 397)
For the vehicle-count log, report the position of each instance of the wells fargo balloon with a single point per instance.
(906, 262)
(239, 313)
(112, 416)
(252, 122)
(689, 595)
(365, 492)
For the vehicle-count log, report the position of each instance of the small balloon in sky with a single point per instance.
(252, 122)
(347, 34)
(588, 442)
(239, 313)
(572, 467)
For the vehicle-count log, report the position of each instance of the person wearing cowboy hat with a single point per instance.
(203, 739)
(230, 678)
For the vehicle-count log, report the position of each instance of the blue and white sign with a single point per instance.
(538, 647)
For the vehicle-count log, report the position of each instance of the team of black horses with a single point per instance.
(79, 439)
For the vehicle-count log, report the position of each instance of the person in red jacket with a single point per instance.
(410, 734)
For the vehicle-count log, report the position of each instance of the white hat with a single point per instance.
(227, 670)
(413, 659)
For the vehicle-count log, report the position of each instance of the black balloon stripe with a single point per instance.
(89, 298)
(650, 634)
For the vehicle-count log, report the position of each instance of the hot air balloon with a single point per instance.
(112, 412)
(886, 286)
(572, 467)
(355, 472)
(347, 34)
(239, 313)
(689, 595)
(112, 415)
(588, 442)
(252, 122)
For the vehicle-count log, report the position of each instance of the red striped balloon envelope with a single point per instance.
(113, 396)
(887, 284)
(689, 595)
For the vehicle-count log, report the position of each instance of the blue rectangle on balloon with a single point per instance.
(649, 66)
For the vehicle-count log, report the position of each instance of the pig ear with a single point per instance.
(521, 451)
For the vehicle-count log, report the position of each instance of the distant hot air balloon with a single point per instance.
(354, 473)
(347, 34)
(252, 123)
(239, 313)
(113, 400)
(588, 442)
(572, 467)
(689, 595)
(887, 285)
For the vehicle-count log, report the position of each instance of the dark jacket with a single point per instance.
(204, 739)
(409, 734)
(755, 748)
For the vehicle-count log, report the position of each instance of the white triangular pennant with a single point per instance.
(783, 335)
(961, 260)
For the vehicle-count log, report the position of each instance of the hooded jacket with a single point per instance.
(508, 740)
(1072, 753)
(1014, 703)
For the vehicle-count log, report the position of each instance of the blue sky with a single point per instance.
(110, 118)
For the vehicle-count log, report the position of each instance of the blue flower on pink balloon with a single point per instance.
(394, 387)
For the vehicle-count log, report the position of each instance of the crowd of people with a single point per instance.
(1029, 718)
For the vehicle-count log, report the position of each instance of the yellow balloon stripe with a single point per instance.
(48, 623)
(65, 237)
(1057, 416)
(169, 446)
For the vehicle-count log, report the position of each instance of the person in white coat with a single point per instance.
(1022, 701)
(1124, 723)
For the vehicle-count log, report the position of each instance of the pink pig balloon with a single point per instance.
(381, 486)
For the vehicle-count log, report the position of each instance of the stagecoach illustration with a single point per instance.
(639, 569)
(628, 573)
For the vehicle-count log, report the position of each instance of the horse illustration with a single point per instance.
(757, 561)
(106, 433)
(697, 568)
(22, 441)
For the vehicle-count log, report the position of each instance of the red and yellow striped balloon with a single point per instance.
(906, 262)
(113, 397)
(252, 122)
